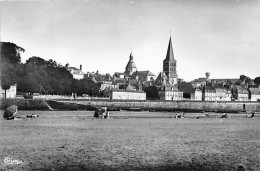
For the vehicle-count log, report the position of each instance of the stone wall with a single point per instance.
(219, 106)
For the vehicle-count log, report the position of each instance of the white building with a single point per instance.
(221, 92)
(240, 93)
(197, 95)
(117, 94)
(77, 73)
(10, 93)
(209, 93)
(255, 94)
(170, 92)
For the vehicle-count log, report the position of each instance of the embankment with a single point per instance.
(24, 104)
(35, 104)
(187, 106)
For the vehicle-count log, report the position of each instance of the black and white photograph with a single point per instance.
(130, 85)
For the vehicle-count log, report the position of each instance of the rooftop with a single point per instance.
(73, 68)
(186, 88)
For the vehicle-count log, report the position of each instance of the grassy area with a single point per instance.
(73, 140)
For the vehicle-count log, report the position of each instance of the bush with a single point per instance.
(24, 104)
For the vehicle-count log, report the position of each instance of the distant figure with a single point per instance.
(32, 116)
(224, 115)
(250, 115)
(244, 107)
(180, 115)
(107, 116)
(198, 117)
(102, 113)
(241, 168)
(96, 113)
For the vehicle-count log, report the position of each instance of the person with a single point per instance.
(10, 112)
(107, 116)
(253, 114)
(96, 113)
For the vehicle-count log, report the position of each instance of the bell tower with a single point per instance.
(169, 65)
(130, 67)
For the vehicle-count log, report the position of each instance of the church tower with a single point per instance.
(130, 67)
(169, 65)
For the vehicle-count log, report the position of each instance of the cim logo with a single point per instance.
(9, 160)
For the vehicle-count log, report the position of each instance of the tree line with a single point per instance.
(38, 75)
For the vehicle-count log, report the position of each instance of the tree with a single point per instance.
(36, 61)
(85, 86)
(257, 81)
(151, 92)
(10, 62)
(38, 75)
(245, 79)
(242, 77)
(5, 83)
(11, 52)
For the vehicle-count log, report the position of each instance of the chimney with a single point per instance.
(67, 65)
(80, 67)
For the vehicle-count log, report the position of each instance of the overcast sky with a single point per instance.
(217, 36)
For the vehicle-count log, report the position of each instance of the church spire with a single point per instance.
(169, 55)
(131, 56)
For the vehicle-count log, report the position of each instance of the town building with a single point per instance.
(121, 94)
(254, 94)
(239, 93)
(189, 92)
(143, 75)
(229, 95)
(170, 92)
(208, 93)
(161, 79)
(77, 73)
(9, 93)
(145, 78)
(119, 75)
(198, 95)
(200, 82)
(227, 83)
(221, 92)
(105, 82)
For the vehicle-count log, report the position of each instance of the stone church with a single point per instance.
(130, 67)
(167, 80)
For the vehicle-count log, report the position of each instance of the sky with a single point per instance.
(217, 36)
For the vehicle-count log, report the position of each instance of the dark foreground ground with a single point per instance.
(74, 141)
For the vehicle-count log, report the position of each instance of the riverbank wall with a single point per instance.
(149, 105)
(158, 105)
